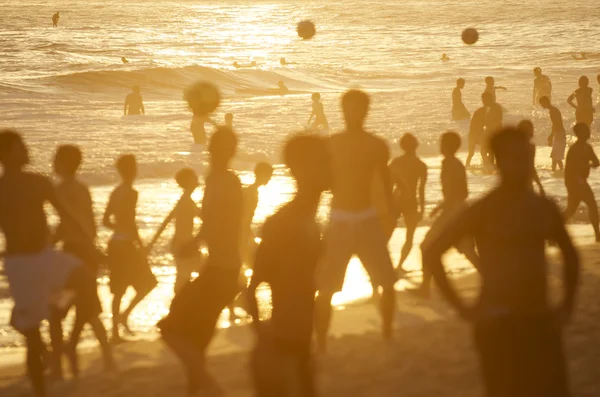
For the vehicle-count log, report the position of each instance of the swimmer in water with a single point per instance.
(584, 110)
(282, 88)
(283, 62)
(124, 60)
(491, 88)
(252, 64)
(134, 104)
(318, 113)
(542, 86)
(445, 58)
(583, 57)
(55, 19)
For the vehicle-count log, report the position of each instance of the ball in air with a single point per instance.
(306, 30)
(470, 36)
(202, 97)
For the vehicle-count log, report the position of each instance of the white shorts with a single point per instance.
(359, 234)
(34, 281)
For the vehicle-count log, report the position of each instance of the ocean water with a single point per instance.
(67, 85)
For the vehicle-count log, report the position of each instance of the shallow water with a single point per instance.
(66, 85)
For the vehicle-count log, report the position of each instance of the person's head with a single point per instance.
(514, 157)
(444, 56)
(526, 127)
(187, 179)
(545, 102)
(582, 131)
(487, 99)
(281, 84)
(127, 168)
(262, 173)
(537, 72)
(13, 152)
(123, 59)
(460, 83)
(222, 147)
(449, 143)
(409, 143)
(489, 80)
(67, 161)
(355, 105)
(584, 81)
(228, 118)
(308, 159)
(282, 61)
(253, 63)
(316, 97)
(136, 89)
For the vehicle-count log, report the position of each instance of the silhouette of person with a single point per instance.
(252, 64)
(32, 268)
(318, 113)
(195, 310)
(134, 103)
(542, 86)
(526, 127)
(558, 138)
(455, 192)
(517, 332)
(491, 87)
(197, 128)
(493, 123)
(126, 259)
(408, 175)
(75, 196)
(459, 110)
(358, 158)
(581, 58)
(477, 131)
(584, 110)
(284, 62)
(580, 158)
(282, 88)
(124, 60)
(55, 19)
(445, 58)
(184, 213)
(229, 120)
(286, 259)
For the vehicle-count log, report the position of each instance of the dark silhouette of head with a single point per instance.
(308, 159)
(355, 106)
(283, 61)
(262, 173)
(526, 127)
(487, 99)
(187, 179)
(316, 96)
(537, 72)
(514, 158)
(236, 65)
(460, 83)
(408, 143)
(136, 89)
(222, 147)
(582, 131)
(67, 160)
(489, 80)
(281, 84)
(449, 143)
(545, 102)
(584, 82)
(127, 168)
(13, 152)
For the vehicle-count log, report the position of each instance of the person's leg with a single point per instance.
(411, 226)
(489, 342)
(322, 318)
(560, 165)
(35, 366)
(57, 343)
(573, 200)
(590, 201)
(554, 165)
(116, 315)
(139, 296)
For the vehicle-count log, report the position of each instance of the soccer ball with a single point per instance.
(202, 98)
(306, 30)
(470, 36)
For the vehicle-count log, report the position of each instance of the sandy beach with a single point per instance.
(431, 355)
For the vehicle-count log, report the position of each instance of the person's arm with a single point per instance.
(423, 182)
(161, 229)
(571, 263)
(108, 213)
(535, 92)
(594, 163)
(65, 215)
(501, 88)
(570, 100)
(451, 234)
(384, 173)
(135, 227)
(312, 114)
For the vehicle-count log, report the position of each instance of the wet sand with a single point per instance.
(432, 354)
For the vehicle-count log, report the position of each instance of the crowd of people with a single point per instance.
(502, 234)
